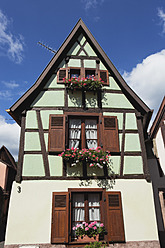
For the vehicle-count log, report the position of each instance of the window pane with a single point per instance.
(74, 133)
(78, 200)
(94, 200)
(91, 133)
(89, 73)
(74, 73)
(78, 214)
(94, 214)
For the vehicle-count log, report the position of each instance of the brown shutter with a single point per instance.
(103, 74)
(56, 133)
(62, 73)
(60, 216)
(110, 134)
(115, 225)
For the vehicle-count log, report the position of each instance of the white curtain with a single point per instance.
(74, 133)
(94, 207)
(78, 213)
(91, 133)
(94, 201)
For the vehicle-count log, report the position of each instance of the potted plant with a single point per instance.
(87, 232)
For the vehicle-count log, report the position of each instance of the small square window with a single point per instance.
(74, 73)
(90, 73)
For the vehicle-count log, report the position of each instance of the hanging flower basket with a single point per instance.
(93, 157)
(84, 84)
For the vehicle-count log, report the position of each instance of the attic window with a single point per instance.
(74, 73)
(90, 73)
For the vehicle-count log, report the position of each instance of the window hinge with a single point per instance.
(101, 145)
(100, 121)
(104, 199)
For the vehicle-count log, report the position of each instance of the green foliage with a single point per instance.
(95, 244)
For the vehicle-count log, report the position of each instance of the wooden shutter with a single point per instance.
(62, 73)
(103, 74)
(115, 225)
(110, 134)
(60, 216)
(56, 133)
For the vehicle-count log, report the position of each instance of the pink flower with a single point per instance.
(101, 224)
(86, 224)
(86, 228)
(94, 227)
(74, 228)
(72, 148)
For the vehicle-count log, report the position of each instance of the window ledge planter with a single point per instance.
(86, 239)
(93, 157)
(89, 232)
(83, 84)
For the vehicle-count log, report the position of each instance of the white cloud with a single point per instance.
(11, 84)
(5, 94)
(91, 3)
(9, 134)
(147, 79)
(10, 45)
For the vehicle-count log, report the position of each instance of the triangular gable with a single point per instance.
(7, 158)
(80, 28)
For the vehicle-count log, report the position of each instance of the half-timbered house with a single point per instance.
(51, 193)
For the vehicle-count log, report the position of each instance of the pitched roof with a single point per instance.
(7, 158)
(25, 101)
(160, 115)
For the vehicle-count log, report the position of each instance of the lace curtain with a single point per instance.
(94, 207)
(74, 133)
(91, 133)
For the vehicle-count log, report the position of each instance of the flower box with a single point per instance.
(89, 232)
(93, 157)
(84, 84)
(86, 239)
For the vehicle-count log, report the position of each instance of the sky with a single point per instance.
(131, 32)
